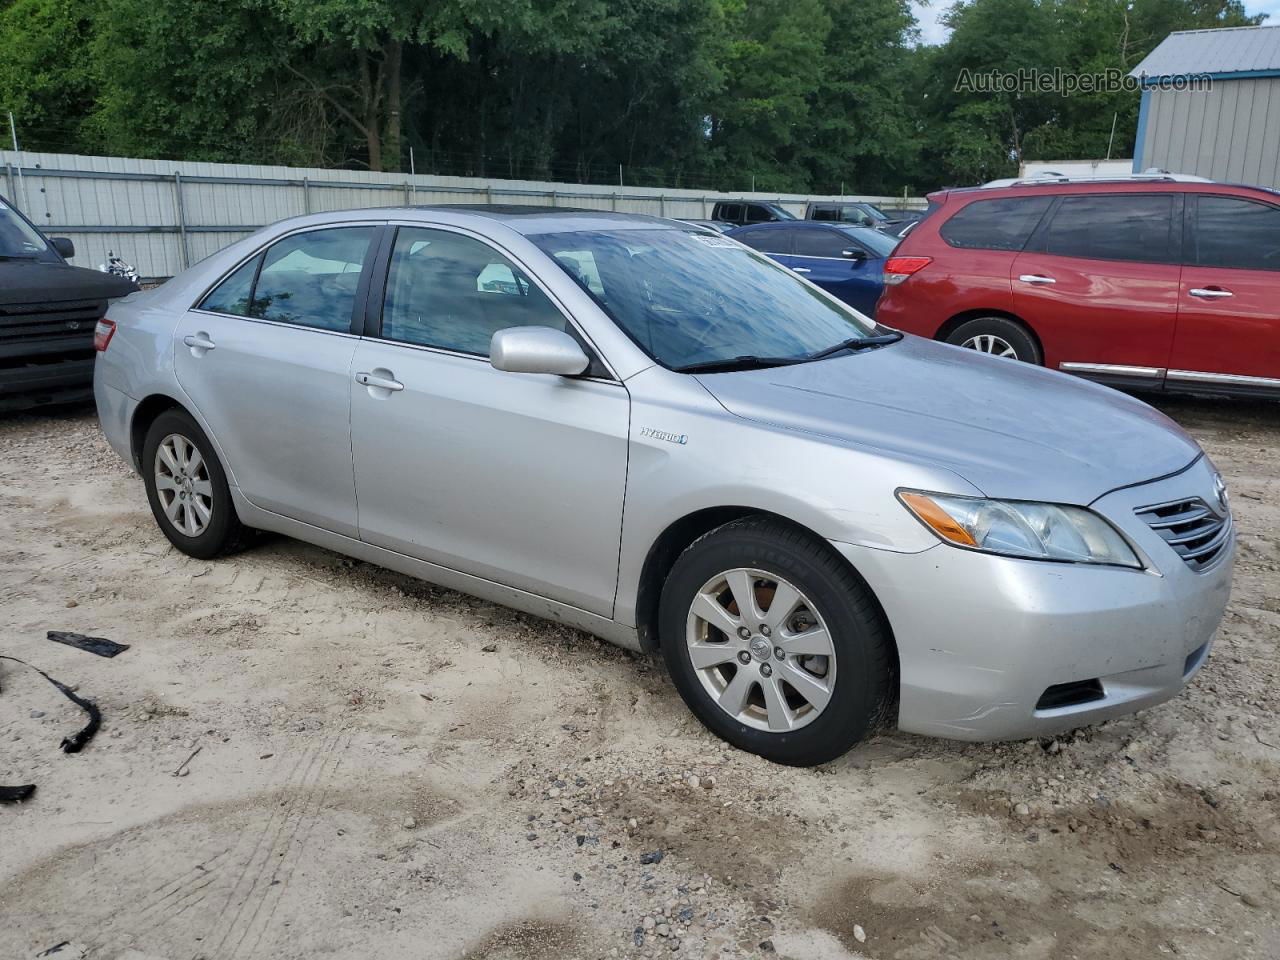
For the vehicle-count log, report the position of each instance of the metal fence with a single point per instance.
(162, 216)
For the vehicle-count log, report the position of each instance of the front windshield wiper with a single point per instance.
(744, 362)
(17, 256)
(857, 343)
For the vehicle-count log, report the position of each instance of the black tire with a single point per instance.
(1011, 332)
(223, 533)
(861, 692)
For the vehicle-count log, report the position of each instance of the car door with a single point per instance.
(819, 255)
(265, 359)
(1098, 282)
(1229, 297)
(517, 478)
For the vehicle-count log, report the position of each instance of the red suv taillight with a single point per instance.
(102, 334)
(897, 269)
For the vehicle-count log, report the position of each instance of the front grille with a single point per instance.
(55, 324)
(1195, 531)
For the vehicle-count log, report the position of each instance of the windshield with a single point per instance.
(879, 243)
(17, 237)
(692, 298)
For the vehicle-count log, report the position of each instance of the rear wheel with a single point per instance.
(773, 642)
(998, 336)
(187, 488)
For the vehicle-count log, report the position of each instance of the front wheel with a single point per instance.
(774, 644)
(998, 336)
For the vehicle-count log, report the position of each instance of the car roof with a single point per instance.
(525, 219)
(1141, 184)
(801, 224)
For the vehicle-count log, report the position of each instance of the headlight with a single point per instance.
(1011, 528)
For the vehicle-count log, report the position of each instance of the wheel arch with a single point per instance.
(953, 323)
(679, 534)
(143, 416)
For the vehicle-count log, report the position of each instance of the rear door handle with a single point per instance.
(801, 270)
(1209, 293)
(379, 381)
(199, 341)
(1036, 278)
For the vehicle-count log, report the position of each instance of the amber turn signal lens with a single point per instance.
(938, 519)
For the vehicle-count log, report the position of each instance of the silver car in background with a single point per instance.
(648, 431)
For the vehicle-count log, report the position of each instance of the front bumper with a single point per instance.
(982, 638)
(45, 381)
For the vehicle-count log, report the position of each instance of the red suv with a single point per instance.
(1151, 283)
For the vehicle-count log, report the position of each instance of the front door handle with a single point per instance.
(380, 381)
(199, 343)
(1036, 278)
(801, 270)
(1209, 293)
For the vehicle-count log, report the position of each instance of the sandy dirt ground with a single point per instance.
(385, 769)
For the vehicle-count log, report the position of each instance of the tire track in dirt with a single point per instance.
(246, 894)
(294, 846)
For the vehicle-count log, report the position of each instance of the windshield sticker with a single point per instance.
(715, 240)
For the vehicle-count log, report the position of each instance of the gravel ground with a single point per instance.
(385, 769)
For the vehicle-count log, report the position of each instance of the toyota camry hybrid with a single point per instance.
(654, 433)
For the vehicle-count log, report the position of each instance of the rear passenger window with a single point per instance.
(826, 213)
(1000, 224)
(310, 279)
(1236, 233)
(766, 240)
(820, 243)
(1114, 227)
(450, 291)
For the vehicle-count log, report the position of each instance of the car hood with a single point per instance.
(1012, 430)
(33, 281)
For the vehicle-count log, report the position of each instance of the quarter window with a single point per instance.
(1235, 233)
(308, 279)
(1000, 224)
(233, 294)
(450, 291)
(1114, 227)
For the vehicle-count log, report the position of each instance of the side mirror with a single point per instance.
(537, 350)
(66, 249)
(854, 256)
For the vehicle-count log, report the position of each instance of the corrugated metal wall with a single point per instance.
(1230, 132)
(162, 215)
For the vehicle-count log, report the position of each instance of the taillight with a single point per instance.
(102, 334)
(897, 269)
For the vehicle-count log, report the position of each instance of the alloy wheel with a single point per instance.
(761, 650)
(183, 485)
(989, 343)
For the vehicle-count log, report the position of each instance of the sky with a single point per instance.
(933, 32)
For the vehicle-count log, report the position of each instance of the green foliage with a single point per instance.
(787, 95)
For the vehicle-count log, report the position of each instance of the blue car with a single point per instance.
(846, 261)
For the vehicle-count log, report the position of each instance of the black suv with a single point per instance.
(740, 212)
(48, 311)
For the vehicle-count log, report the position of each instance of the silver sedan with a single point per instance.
(646, 430)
